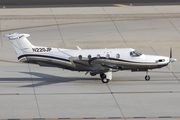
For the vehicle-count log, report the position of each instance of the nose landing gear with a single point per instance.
(147, 77)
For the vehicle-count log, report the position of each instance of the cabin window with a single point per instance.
(118, 55)
(98, 56)
(135, 54)
(107, 56)
(80, 57)
(89, 56)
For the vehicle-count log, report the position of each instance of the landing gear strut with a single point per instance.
(103, 78)
(147, 77)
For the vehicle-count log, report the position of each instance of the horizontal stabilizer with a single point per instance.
(16, 36)
(45, 64)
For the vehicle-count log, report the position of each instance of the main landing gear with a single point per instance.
(147, 77)
(104, 79)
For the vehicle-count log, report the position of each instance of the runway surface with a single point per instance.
(28, 91)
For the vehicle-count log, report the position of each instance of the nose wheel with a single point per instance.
(103, 78)
(147, 77)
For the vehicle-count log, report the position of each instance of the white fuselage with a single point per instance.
(79, 60)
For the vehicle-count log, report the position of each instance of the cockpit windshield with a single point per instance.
(135, 54)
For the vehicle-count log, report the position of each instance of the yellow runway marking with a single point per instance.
(121, 5)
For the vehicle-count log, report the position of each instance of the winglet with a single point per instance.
(78, 48)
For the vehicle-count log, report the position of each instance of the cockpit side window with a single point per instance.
(135, 54)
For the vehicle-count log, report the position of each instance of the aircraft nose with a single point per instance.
(173, 59)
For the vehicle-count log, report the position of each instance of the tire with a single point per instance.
(147, 77)
(105, 80)
(102, 75)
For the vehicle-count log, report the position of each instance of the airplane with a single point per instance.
(93, 61)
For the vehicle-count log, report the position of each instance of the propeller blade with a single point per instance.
(170, 67)
(171, 52)
(171, 60)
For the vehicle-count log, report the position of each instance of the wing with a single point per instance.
(112, 66)
(106, 68)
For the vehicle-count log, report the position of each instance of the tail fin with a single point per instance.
(20, 44)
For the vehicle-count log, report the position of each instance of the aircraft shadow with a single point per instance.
(42, 79)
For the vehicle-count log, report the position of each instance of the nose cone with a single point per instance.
(173, 59)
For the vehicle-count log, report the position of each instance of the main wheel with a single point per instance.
(105, 80)
(102, 75)
(147, 77)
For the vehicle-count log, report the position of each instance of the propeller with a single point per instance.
(170, 65)
(171, 60)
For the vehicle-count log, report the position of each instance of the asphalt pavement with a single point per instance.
(81, 3)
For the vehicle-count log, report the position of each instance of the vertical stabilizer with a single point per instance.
(20, 44)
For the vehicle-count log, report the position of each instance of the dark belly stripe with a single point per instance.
(92, 59)
(45, 56)
(51, 57)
